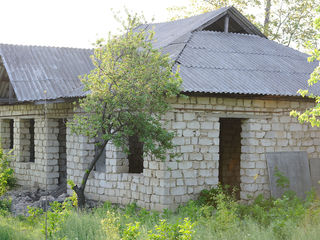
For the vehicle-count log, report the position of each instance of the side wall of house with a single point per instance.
(265, 127)
(40, 168)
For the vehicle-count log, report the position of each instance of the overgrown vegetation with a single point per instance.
(7, 179)
(215, 215)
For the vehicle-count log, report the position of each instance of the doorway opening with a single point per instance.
(230, 152)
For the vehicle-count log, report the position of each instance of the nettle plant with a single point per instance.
(127, 94)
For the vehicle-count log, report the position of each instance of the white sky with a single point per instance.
(70, 23)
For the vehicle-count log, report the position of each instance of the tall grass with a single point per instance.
(219, 218)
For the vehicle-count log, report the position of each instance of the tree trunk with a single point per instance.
(80, 190)
(267, 17)
(80, 196)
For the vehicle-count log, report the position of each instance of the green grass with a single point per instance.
(220, 218)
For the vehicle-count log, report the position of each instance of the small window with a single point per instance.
(31, 132)
(135, 156)
(11, 123)
(101, 163)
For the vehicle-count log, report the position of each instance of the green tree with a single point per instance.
(127, 95)
(311, 115)
(287, 22)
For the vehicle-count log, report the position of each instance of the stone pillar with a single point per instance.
(80, 151)
(5, 133)
(22, 140)
(197, 166)
(46, 166)
(116, 160)
(254, 173)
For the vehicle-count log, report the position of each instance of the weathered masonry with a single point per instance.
(241, 88)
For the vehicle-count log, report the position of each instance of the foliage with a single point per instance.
(287, 22)
(73, 198)
(132, 231)
(111, 225)
(127, 94)
(5, 205)
(7, 179)
(226, 216)
(311, 115)
(128, 88)
(285, 218)
(176, 231)
(209, 197)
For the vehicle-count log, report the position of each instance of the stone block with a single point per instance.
(193, 125)
(203, 100)
(178, 125)
(205, 141)
(189, 116)
(206, 125)
(187, 149)
(178, 191)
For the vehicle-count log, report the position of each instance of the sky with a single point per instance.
(70, 23)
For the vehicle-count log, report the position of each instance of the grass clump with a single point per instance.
(215, 215)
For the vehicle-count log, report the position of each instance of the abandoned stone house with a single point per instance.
(241, 88)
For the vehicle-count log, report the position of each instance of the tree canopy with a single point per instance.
(312, 115)
(127, 94)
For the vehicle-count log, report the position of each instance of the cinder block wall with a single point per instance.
(266, 127)
(44, 171)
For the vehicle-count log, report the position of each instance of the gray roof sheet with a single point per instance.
(215, 62)
(210, 62)
(34, 69)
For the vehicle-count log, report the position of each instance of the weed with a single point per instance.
(7, 179)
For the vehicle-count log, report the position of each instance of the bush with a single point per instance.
(176, 231)
(209, 197)
(7, 179)
(5, 207)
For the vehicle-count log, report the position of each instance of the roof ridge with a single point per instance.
(181, 19)
(242, 70)
(43, 46)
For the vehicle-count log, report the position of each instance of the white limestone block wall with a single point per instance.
(266, 127)
(43, 172)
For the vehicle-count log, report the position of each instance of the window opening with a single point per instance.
(11, 124)
(31, 132)
(135, 156)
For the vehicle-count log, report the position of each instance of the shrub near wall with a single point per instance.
(7, 179)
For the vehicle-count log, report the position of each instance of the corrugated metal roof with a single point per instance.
(34, 69)
(167, 33)
(211, 62)
(215, 62)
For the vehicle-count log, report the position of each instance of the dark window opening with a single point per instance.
(101, 163)
(62, 139)
(230, 152)
(31, 132)
(135, 156)
(11, 133)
